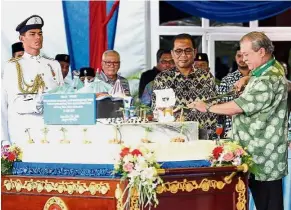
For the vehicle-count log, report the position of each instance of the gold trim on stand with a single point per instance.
(189, 186)
(205, 185)
(134, 204)
(228, 179)
(119, 198)
(244, 168)
(55, 200)
(60, 187)
(240, 188)
(161, 171)
(241, 168)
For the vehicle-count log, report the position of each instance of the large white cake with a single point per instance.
(105, 153)
(93, 144)
(101, 133)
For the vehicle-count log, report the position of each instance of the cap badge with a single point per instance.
(36, 20)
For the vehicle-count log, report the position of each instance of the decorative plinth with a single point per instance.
(204, 188)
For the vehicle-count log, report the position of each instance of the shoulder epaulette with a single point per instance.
(46, 57)
(14, 59)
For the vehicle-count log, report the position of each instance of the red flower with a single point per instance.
(217, 151)
(11, 156)
(136, 152)
(124, 151)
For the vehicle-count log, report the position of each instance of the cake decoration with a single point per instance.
(30, 140)
(85, 139)
(64, 140)
(45, 131)
(165, 101)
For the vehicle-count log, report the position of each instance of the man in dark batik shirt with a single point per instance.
(227, 84)
(188, 84)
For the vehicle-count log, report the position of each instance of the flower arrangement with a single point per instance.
(139, 167)
(230, 153)
(9, 154)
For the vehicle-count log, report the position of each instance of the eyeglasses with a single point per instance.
(109, 63)
(167, 61)
(187, 51)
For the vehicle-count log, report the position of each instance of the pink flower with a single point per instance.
(128, 167)
(228, 156)
(239, 152)
(4, 149)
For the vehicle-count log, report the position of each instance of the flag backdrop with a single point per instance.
(90, 30)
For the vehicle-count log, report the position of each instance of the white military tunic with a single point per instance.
(22, 112)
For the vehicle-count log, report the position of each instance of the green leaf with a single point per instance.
(6, 167)
(135, 76)
(149, 129)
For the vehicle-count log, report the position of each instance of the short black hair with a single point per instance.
(237, 48)
(160, 52)
(183, 36)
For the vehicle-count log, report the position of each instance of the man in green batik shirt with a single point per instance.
(260, 120)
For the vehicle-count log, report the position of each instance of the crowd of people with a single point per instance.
(257, 116)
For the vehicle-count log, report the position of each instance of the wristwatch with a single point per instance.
(208, 107)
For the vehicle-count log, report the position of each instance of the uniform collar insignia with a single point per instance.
(35, 57)
(26, 55)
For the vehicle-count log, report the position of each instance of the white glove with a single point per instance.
(39, 103)
(29, 104)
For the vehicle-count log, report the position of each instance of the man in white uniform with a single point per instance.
(24, 82)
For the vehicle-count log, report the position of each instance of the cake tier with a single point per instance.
(105, 153)
(103, 133)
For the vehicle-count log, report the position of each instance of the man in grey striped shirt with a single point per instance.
(110, 67)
